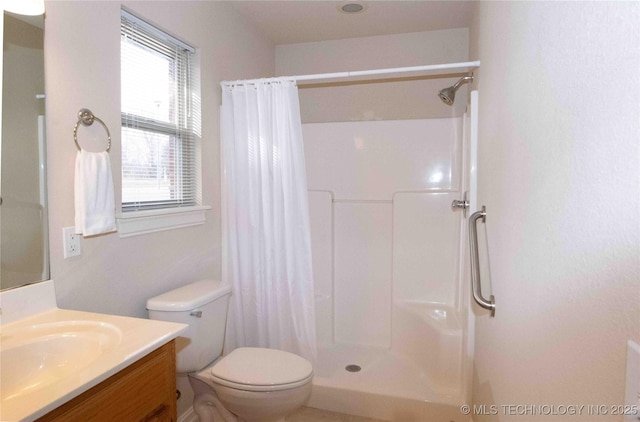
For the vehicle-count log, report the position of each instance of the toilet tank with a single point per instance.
(203, 306)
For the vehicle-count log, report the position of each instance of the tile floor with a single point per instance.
(309, 414)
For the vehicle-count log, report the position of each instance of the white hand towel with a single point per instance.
(94, 198)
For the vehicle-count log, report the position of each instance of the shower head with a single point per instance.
(448, 95)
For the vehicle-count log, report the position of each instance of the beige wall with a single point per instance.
(387, 99)
(82, 61)
(558, 172)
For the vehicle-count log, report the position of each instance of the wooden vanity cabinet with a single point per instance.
(143, 391)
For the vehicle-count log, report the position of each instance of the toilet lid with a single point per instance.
(255, 367)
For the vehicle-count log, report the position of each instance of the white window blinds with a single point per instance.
(159, 154)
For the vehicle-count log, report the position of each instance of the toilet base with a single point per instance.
(206, 403)
(216, 403)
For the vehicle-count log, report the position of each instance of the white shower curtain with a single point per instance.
(267, 229)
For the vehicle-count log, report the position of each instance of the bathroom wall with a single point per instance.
(392, 97)
(82, 62)
(558, 172)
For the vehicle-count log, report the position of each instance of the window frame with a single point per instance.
(140, 217)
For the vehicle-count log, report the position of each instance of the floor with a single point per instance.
(386, 373)
(309, 414)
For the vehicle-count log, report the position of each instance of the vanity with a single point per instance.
(143, 391)
(64, 365)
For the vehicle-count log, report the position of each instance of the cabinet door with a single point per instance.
(161, 415)
(144, 391)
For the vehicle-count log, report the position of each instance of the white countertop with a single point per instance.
(138, 338)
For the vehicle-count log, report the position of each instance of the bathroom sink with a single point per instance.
(50, 356)
(38, 355)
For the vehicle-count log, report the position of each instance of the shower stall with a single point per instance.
(392, 316)
(386, 197)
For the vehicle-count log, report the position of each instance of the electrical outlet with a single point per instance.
(70, 242)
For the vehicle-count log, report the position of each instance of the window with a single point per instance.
(159, 137)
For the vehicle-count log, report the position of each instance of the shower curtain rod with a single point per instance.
(446, 66)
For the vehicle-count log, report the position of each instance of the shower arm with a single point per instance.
(462, 81)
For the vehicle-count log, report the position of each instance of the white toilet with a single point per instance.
(249, 384)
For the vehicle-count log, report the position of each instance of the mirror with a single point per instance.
(23, 214)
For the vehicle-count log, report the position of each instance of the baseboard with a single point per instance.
(188, 416)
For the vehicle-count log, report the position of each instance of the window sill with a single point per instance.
(142, 222)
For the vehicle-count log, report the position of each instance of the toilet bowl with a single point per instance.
(250, 384)
(256, 384)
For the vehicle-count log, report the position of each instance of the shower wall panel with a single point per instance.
(362, 282)
(373, 160)
(425, 248)
(382, 230)
(321, 220)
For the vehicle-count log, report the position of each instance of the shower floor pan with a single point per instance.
(387, 387)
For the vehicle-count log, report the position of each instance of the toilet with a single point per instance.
(250, 384)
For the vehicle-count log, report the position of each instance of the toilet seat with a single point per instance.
(258, 369)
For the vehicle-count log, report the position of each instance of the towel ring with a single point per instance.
(86, 117)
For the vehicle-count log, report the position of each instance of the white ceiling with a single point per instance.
(289, 22)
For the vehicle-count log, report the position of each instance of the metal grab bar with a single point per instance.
(475, 262)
